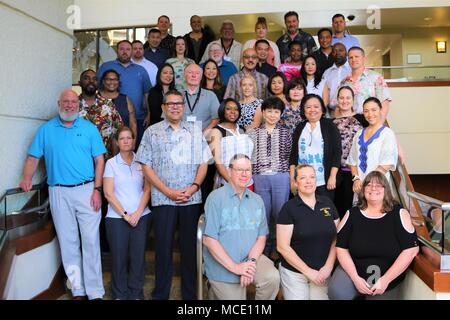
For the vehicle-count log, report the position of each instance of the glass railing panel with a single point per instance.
(414, 73)
(446, 228)
(2, 218)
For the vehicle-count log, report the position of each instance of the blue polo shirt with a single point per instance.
(134, 82)
(68, 151)
(236, 223)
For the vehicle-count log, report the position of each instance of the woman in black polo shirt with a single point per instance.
(376, 243)
(306, 237)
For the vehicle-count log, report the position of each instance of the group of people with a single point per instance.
(282, 144)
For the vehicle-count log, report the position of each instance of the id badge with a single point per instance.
(191, 118)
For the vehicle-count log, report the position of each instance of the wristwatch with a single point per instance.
(99, 189)
(356, 178)
(124, 214)
(197, 185)
(250, 259)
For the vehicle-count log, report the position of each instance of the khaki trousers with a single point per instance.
(296, 286)
(267, 283)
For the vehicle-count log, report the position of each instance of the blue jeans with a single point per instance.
(274, 190)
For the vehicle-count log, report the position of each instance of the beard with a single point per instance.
(340, 60)
(66, 117)
(90, 90)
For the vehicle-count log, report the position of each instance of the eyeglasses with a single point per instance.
(111, 79)
(173, 105)
(374, 186)
(240, 170)
(250, 57)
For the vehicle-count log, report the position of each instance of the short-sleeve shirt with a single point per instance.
(375, 243)
(369, 84)
(174, 155)
(333, 77)
(128, 184)
(380, 149)
(134, 82)
(68, 151)
(203, 108)
(314, 230)
(236, 223)
(347, 40)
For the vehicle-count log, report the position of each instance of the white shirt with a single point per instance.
(151, 69)
(310, 151)
(310, 88)
(128, 184)
(381, 150)
(333, 77)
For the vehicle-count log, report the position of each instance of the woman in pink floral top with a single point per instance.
(291, 68)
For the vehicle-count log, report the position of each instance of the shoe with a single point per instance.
(79, 298)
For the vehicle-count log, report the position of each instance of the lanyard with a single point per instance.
(192, 108)
(227, 51)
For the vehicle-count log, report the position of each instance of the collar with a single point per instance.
(166, 124)
(277, 126)
(192, 94)
(334, 37)
(120, 64)
(120, 160)
(232, 193)
(299, 202)
(75, 124)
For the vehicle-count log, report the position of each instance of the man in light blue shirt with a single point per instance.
(340, 33)
(234, 238)
(73, 150)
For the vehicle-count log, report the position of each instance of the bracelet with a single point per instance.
(250, 259)
(99, 189)
(197, 185)
(356, 178)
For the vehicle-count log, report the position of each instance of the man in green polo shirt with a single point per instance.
(235, 236)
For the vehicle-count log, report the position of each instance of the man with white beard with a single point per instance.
(73, 150)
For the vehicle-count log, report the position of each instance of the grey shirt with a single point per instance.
(203, 108)
(175, 156)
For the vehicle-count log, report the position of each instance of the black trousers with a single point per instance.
(344, 193)
(323, 191)
(127, 246)
(165, 222)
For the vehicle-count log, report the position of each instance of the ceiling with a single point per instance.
(402, 17)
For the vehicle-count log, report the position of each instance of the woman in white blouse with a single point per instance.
(374, 147)
(311, 75)
(128, 194)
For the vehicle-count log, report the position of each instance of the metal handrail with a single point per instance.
(200, 230)
(406, 67)
(19, 190)
(42, 209)
(427, 199)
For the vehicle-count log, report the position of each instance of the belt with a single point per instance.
(73, 185)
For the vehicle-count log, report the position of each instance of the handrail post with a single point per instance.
(200, 229)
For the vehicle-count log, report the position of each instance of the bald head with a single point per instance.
(249, 58)
(68, 105)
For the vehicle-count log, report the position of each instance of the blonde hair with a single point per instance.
(247, 76)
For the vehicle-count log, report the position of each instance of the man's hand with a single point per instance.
(26, 184)
(179, 196)
(96, 200)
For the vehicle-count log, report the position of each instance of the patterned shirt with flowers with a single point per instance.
(369, 84)
(105, 116)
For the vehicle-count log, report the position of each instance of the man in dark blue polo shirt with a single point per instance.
(73, 152)
(154, 52)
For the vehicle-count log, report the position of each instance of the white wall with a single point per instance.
(420, 117)
(36, 59)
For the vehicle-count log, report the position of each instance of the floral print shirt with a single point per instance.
(105, 116)
(348, 127)
(290, 118)
(369, 84)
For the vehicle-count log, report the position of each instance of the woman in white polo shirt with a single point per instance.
(128, 194)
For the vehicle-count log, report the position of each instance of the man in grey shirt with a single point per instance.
(201, 105)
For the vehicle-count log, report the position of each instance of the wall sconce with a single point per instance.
(441, 46)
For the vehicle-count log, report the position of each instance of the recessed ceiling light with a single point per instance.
(378, 50)
(427, 19)
(271, 23)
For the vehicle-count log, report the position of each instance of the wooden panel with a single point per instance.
(436, 280)
(411, 84)
(35, 240)
(56, 288)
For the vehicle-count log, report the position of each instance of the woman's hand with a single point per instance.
(331, 184)
(362, 286)
(133, 219)
(379, 287)
(325, 272)
(357, 186)
(316, 277)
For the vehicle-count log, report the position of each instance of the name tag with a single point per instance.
(191, 118)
